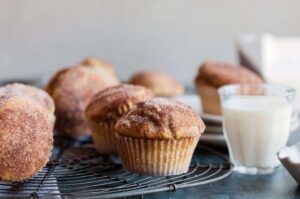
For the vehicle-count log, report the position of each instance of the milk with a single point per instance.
(256, 127)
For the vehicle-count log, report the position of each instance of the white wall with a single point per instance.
(37, 37)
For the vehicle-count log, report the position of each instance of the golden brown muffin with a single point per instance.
(158, 137)
(105, 70)
(26, 137)
(92, 61)
(71, 89)
(106, 107)
(162, 84)
(213, 75)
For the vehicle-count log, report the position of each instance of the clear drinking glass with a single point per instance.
(256, 123)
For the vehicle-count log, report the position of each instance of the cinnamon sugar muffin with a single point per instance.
(26, 137)
(106, 107)
(36, 94)
(213, 75)
(162, 84)
(71, 89)
(158, 137)
(93, 61)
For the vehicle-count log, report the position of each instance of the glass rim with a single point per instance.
(283, 90)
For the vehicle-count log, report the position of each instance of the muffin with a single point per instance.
(162, 84)
(26, 137)
(36, 94)
(213, 75)
(158, 137)
(106, 107)
(92, 61)
(71, 89)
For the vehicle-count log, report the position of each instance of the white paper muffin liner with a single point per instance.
(210, 99)
(104, 137)
(158, 157)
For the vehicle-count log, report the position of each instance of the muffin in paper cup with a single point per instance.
(212, 75)
(106, 107)
(158, 137)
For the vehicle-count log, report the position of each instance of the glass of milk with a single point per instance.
(256, 123)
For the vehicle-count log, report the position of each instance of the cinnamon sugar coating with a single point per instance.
(39, 95)
(93, 61)
(113, 102)
(219, 74)
(26, 138)
(71, 89)
(162, 84)
(161, 118)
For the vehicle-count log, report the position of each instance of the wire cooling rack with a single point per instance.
(77, 171)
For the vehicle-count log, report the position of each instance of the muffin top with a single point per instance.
(162, 84)
(33, 93)
(113, 102)
(219, 74)
(92, 61)
(161, 118)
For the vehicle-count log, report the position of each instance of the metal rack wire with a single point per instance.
(77, 171)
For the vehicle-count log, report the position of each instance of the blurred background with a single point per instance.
(175, 36)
